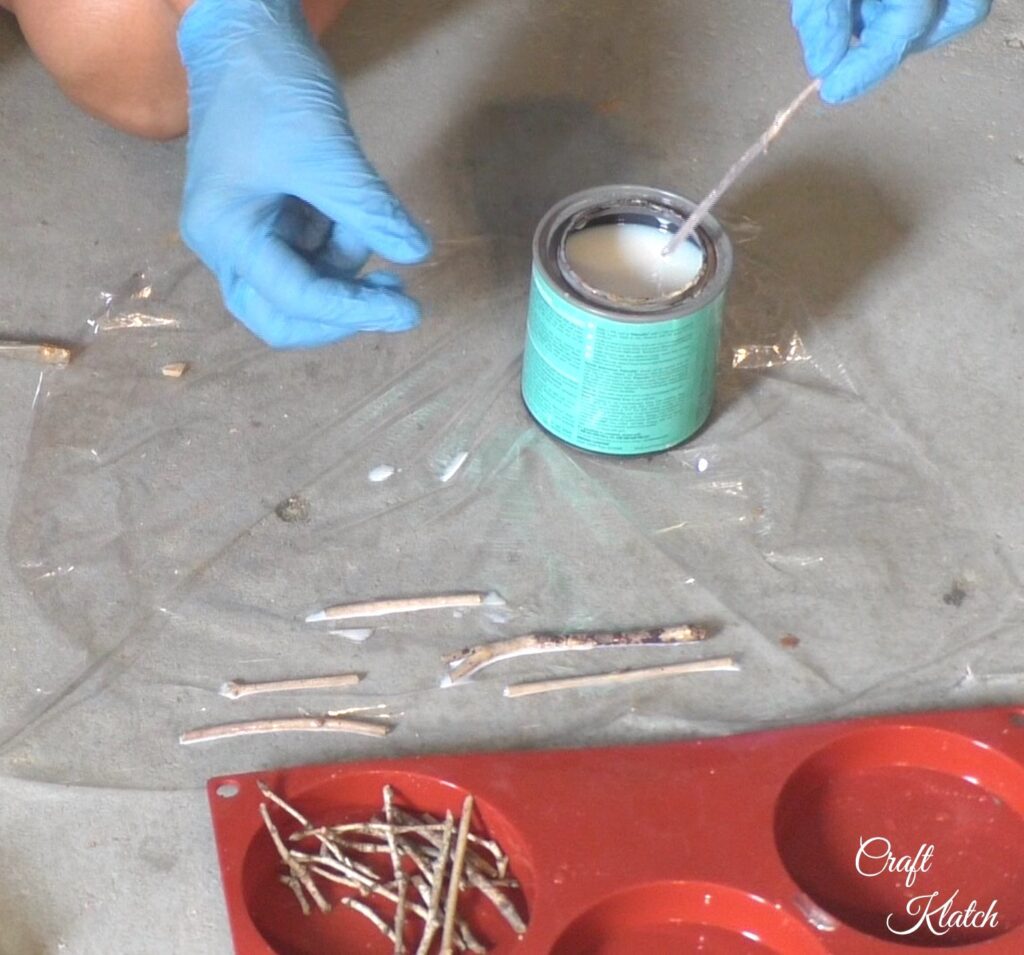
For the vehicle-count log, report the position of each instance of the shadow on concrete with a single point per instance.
(373, 30)
(12, 43)
(824, 229)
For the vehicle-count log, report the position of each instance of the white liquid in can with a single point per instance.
(624, 260)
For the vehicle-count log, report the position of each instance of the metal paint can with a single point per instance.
(619, 376)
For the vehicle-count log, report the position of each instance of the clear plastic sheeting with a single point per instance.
(132, 306)
(850, 524)
(176, 534)
(769, 356)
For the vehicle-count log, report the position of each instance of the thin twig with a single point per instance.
(619, 676)
(329, 847)
(377, 888)
(236, 689)
(467, 940)
(463, 665)
(414, 853)
(378, 829)
(278, 801)
(42, 353)
(396, 863)
(470, 942)
(432, 847)
(479, 880)
(369, 914)
(452, 902)
(298, 871)
(473, 859)
(345, 867)
(380, 608)
(326, 845)
(296, 887)
(498, 899)
(698, 215)
(304, 724)
(330, 875)
(437, 887)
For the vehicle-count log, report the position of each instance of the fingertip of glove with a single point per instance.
(384, 280)
(415, 245)
(404, 314)
(410, 319)
(862, 70)
(821, 59)
(401, 327)
(835, 93)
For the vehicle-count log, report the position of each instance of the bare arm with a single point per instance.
(118, 59)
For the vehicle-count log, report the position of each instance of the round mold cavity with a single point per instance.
(356, 798)
(670, 918)
(913, 797)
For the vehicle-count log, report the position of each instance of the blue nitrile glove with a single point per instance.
(889, 30)
(280, 201)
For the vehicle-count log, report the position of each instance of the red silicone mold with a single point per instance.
(764, 843)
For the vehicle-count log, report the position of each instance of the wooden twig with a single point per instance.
(372, 916)
(396, 863)
(447, 864)
(498, 899)
(330, 848)
(458, 862)
(348, 868)
(298, 871)
(473, 859)
(378, 829)
(739, 167)
(42, 353)
(463, 665)
(377, 888)
(326, 845)
(414, 852)
(437, 887)
(467, 941)
(619, 676)
(331, 875)
(381, 608)
(296, 887)
(470, 942)
(236, 689)
(479, 879)
(303, 724)
(269, 793)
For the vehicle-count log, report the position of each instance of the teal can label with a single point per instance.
(619, 384)
(618, 387)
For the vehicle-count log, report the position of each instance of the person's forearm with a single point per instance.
(118, 59)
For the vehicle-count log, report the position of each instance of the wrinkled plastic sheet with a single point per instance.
(175, 533)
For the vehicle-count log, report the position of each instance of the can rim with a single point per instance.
(551, 231)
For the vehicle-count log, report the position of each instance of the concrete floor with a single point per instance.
(866, 499)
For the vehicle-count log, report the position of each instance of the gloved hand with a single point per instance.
(889, 30)
(280, 201)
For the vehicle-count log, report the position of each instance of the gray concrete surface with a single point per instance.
(866, 500)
